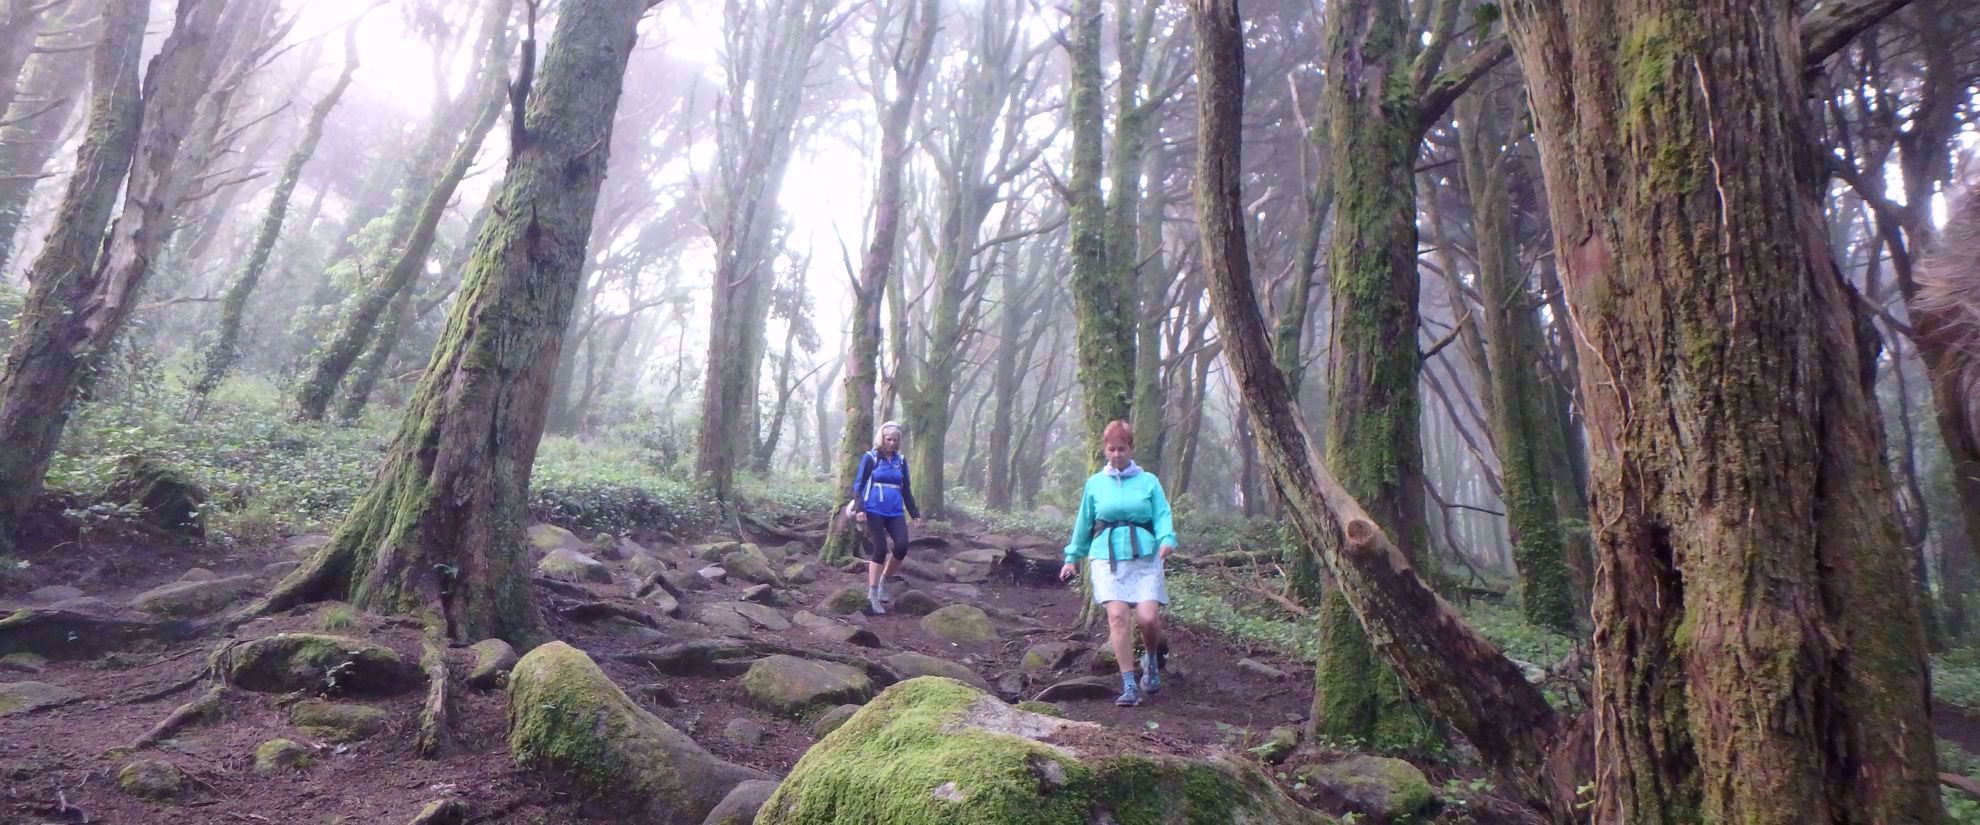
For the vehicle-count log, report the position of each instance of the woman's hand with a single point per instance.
(1068, 571)
(1166, 550)
(860, 516)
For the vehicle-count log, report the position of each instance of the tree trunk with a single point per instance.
(917, 42)
(20, 21)
(440, 532)
(1732, 440)
(1447, 665)
(225, 350)
(1105, 349)
(27, 146)
(77, 301)
(317, 390)
(766, 448)
(1151, 308)
(1518, 410)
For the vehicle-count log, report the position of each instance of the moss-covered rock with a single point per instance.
(1379, 787)
(828, 720)
(954, 755)
(27, 697)
(791, 686)
(154, 779)
(188, 600)
(1049, 656)
(567, 718)
(714, 551)
(645, 565)
(30, 663)
(910, 664)
(549, 538)
(748, 567)
(960, 624)
(305, 545)
(281, 755)
(165, 498)
(844, 601)
(337, 721)
(803, 572)
(1042, 708)
(741, 805)
(1278, 744)
(493, 659)
(567, 565)
(311, 661)
(915, 603)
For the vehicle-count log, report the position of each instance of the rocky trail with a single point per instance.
(749, 653)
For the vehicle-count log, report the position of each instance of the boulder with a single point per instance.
(974, 566)
(914, 603)
(776, 556)
(53, 593)
(803, 572)
(644, 565)
(833, 630)
(1261, 670)
(153, 779)
(910, 664)
(86, 604)
(189, 600)
(762, 616)
(1050, 656)
(626, 548)
(493, 658)
(29, 663)
(567, 565)
(312, 661)
(925, 570)
(664, 603)
(549, 538)
(304, 546)
(851, 599)
(1278, 745)
(27, 697)
(830, 720)
(715, 550)
(337, 721)
(791, 686)
(568, 719)
(745, 731)
(1378, 787)
(279, 570)
(953, 754)
(711, 575)
(199, 574)
(761, 594)
(741, 805)
(166, 498)
(279, 755)
(959, 592)
(748, 567)
(960, 624)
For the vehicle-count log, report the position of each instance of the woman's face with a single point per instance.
(1119, 455)
(891, 441)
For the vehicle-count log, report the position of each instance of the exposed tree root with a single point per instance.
(730, 657)
(594, 610)
(807, 538)
(436, 716)
(202, 709)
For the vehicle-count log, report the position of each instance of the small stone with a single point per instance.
(831, 719)
(761, 594)
(53, 593)
(645, 565)
(1050, 656)
(199, 574)
(664, 603)
(278, 755)
(336, 721)
(1262, 670)
(493, 658)
(691, 583)
(23, 663)
(743, 730)
(714, 551)
(151, 779)
(26, 697)
(915, 603)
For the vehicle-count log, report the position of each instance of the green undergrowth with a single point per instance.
(1956, 679)
(1961, 809)
(1209, 601)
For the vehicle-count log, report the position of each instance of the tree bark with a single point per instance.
(77, 300)
(1105, 348)
(440, 532)
(908, 66)
(1448, 666)
(225, 350)
(1732, 440)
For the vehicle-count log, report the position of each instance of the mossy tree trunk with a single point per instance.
(1447, 665)
(28, 144)
(1733, 441)
(401, 315)
(1518, 411)
(906, 64)
(1379, 96)
(1020, 301)
(1105, 348)
(768, 58)
(79, 300)
(220, 357)
(440, 532)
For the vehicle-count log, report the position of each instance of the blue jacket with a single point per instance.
(1136, 513)
(881, 488)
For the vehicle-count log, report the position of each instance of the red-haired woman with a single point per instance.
(1123, 507)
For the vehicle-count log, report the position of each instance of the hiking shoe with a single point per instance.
(1151, 673)
(1130, 692)
(873, 605)
(884, 598)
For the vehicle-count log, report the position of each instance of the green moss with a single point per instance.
(279, 755)
(151, 779)
(337, 722)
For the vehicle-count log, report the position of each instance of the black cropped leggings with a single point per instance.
(879, 529)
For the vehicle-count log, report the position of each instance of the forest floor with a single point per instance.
(60, 764)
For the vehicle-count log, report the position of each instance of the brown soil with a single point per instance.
(58, 765)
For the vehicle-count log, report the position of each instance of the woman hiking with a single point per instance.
(883, 500)
(1124, 508)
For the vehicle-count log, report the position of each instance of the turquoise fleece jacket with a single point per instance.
(1135, 498)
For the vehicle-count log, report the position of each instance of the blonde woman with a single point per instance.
(1123, 507)
(883, 499)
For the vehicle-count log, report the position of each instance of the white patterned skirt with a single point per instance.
(1132, 581)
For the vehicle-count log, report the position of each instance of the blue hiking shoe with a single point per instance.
(1151, 673)
(1130, 692)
